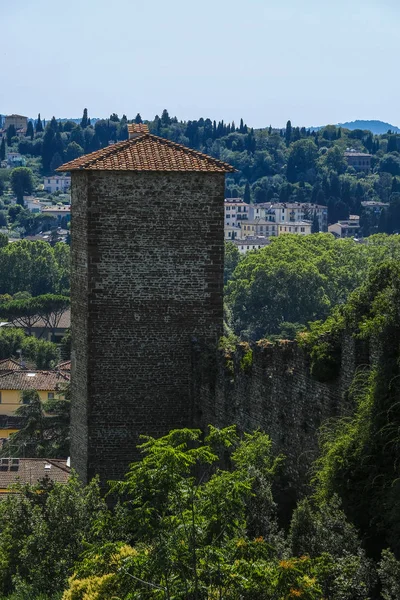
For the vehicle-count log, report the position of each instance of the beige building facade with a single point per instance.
(18, 121)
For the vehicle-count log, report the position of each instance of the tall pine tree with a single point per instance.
(3, 149)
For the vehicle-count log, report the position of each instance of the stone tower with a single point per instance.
(147, 279)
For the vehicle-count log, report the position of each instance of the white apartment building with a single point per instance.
(285, 212)
(57, 183)
(236, 211)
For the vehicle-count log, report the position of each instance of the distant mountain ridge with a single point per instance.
(377, 127)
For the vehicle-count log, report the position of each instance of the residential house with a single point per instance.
(251, 243)
(259, 227)
(58, 212)
(346, 228)
(49, 384)
(9, 424)
(296, 227)
(32, 471)
(15, 159)
(358, 160)
(283, 212)
(42, 331)
(34, 205)
(232, 233)
(57, 183)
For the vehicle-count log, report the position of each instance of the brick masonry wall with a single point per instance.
(146, 283)
(277, 394)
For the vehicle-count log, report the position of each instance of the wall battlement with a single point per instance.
(269, 386)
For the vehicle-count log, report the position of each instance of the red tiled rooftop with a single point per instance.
(9, 364)
(33, 380)
(147, 152)
(32, 470)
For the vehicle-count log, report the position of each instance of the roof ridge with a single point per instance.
(186, 149)
(104, 152)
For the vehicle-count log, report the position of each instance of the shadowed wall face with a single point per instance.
(147, 279)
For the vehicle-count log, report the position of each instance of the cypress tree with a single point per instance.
(29, 130)
(165, 118)
(54, 124)
(247, 195)
(11, 132)
(315, 223)
(288, 133)
(39, 125)
(392, 144)
(56, 162)
(84, 122)
(138, 118)
(241, 126)
(270, 130)
(3, 149)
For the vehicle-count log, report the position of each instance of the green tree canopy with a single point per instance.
(21, 183)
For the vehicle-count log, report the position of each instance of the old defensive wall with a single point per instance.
(269, 386)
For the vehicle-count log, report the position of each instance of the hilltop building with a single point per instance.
(143, 293)
(20, 123)
(358, 160)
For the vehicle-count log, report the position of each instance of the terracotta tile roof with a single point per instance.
(64, 366)
(64, 322)
(9, 364)
(32, 470)
(147, 152)
(33, 380)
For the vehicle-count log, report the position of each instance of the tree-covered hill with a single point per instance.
(376, 127)
(290, 164)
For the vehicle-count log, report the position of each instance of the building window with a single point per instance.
(0, 398)
(50, 395)
(302, 229)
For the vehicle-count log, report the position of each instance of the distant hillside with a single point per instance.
(377, 127)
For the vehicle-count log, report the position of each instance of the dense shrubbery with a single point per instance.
(361, 454)
(185, 527)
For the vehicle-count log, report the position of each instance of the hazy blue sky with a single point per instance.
(313, 61)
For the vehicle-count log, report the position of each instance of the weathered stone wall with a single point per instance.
(274, 391)
(146, 281)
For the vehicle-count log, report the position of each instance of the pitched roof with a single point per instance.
(33, 380)
(32, 470)
(147, 152)
(64, 366)
(9, 364)
(64, 322)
